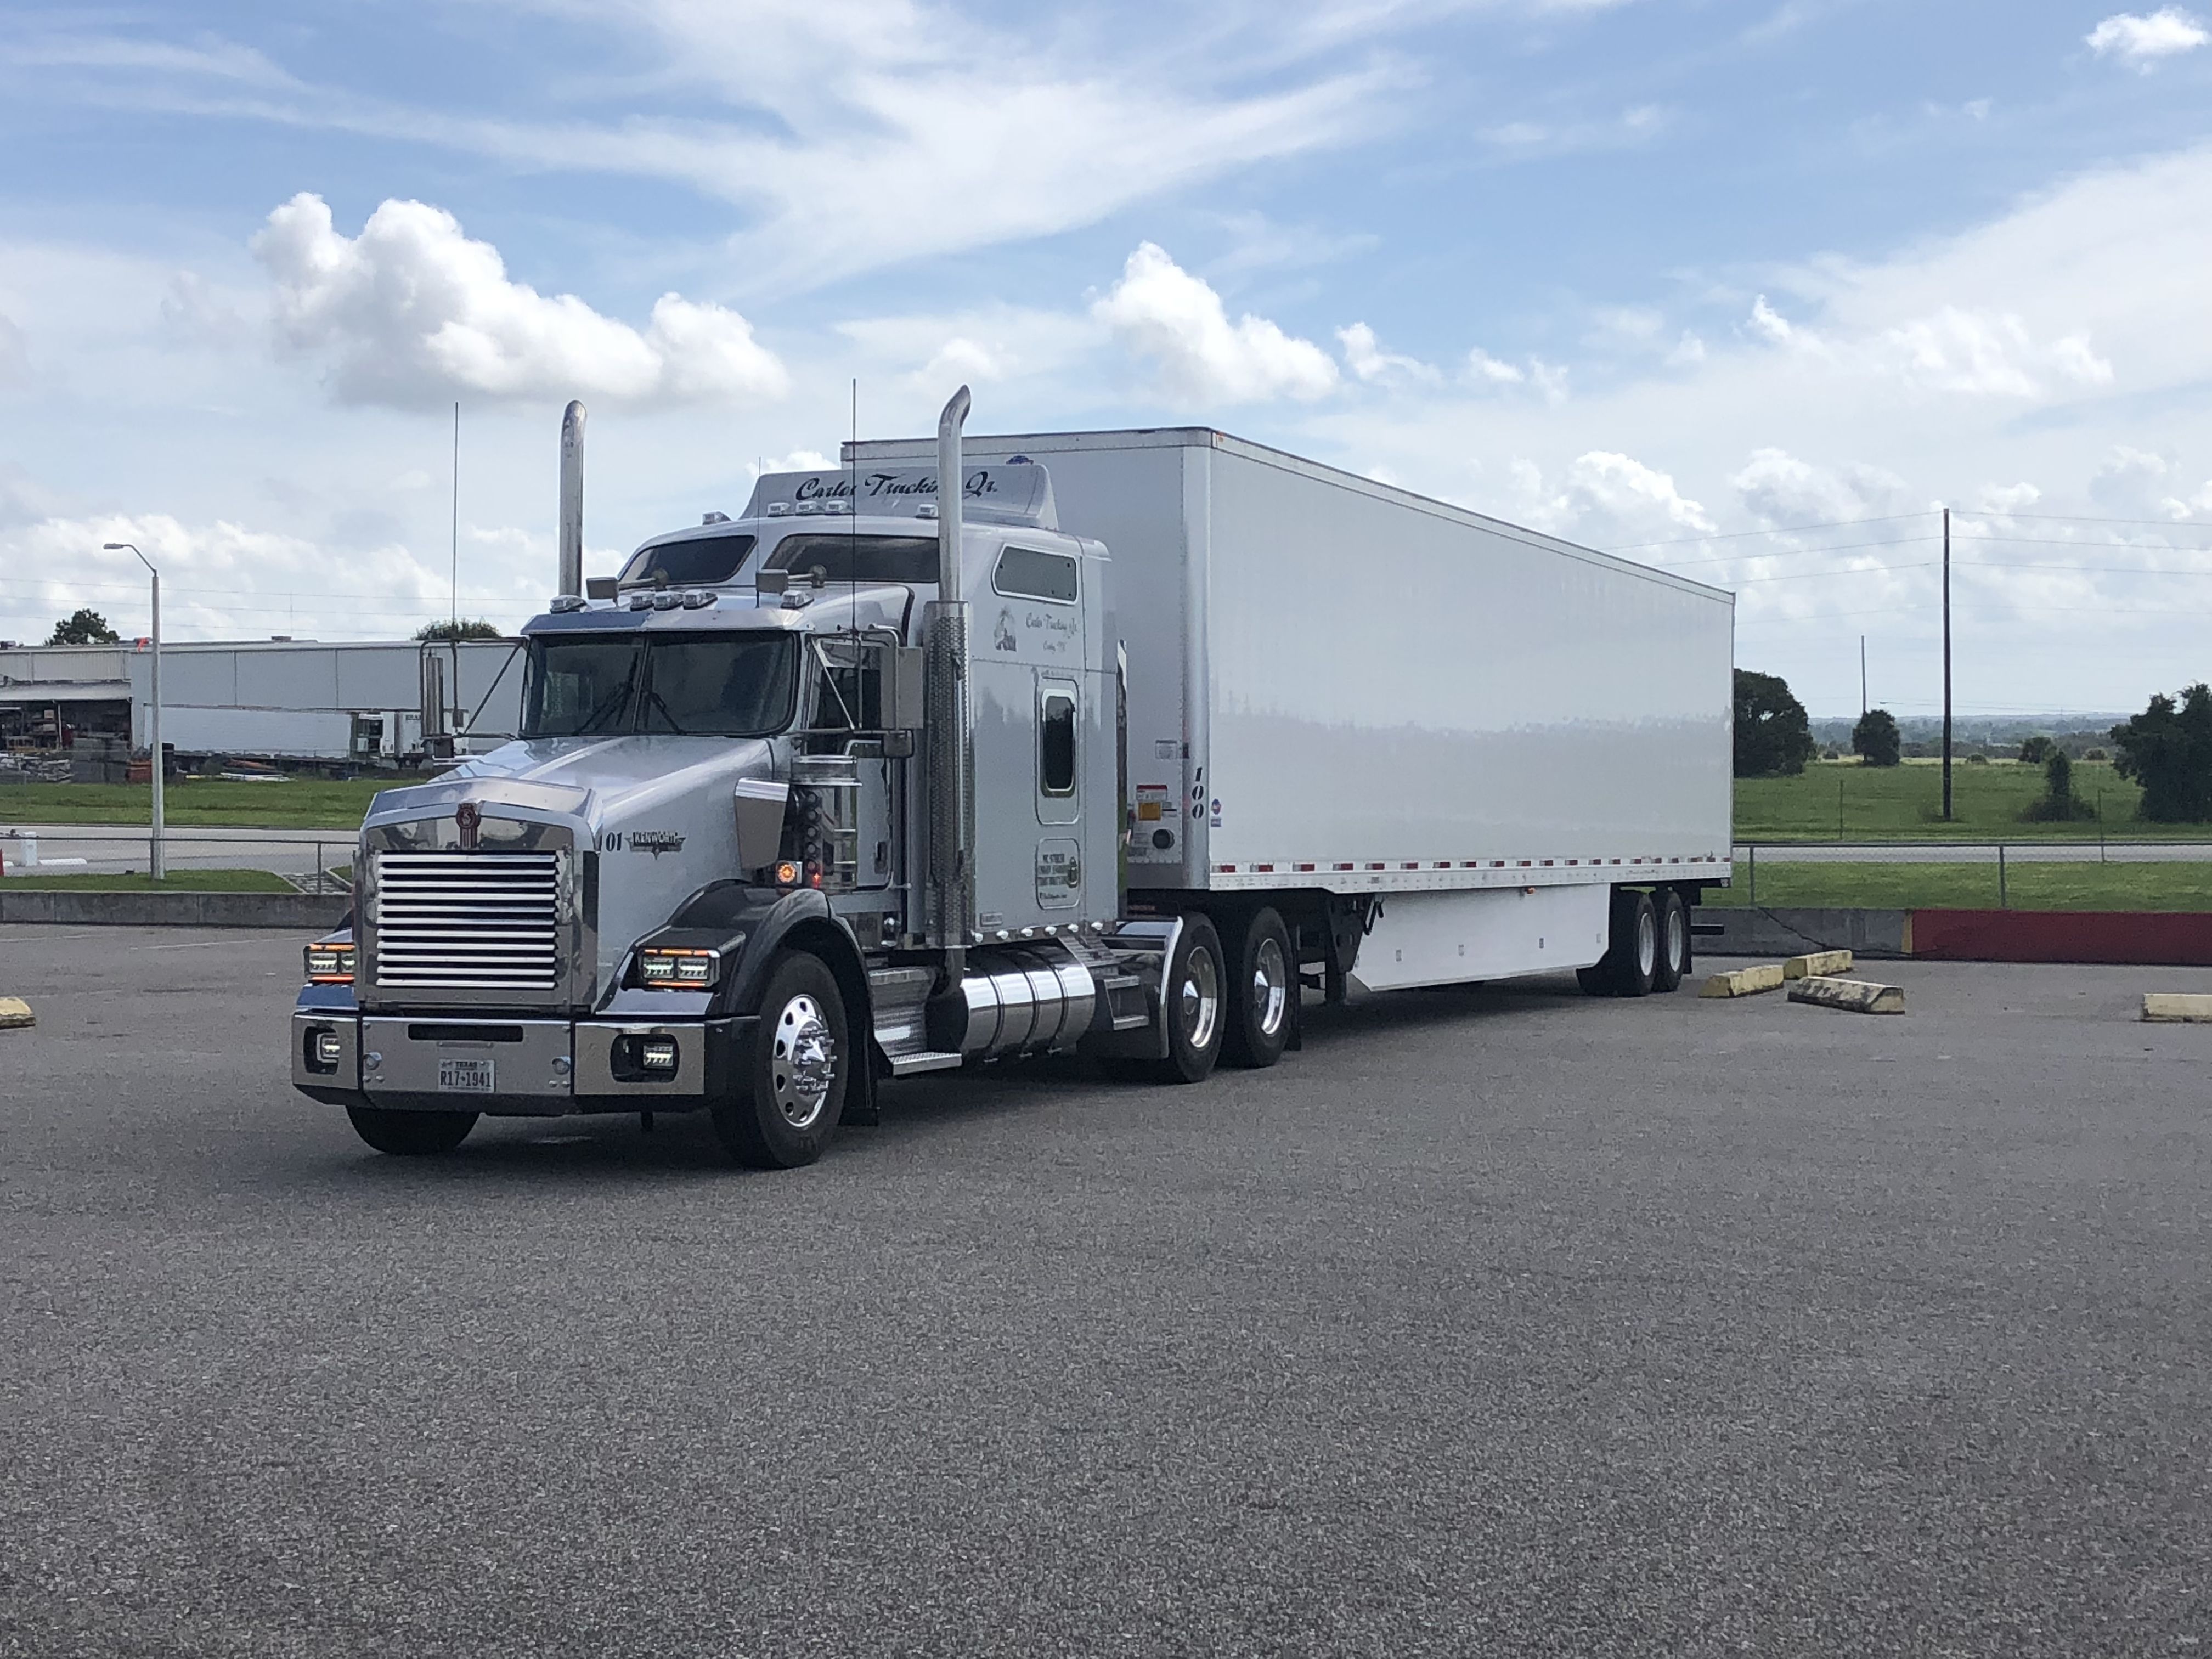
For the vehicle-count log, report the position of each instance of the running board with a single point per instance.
(910, 1065)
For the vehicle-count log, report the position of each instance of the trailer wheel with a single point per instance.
(784, 1116)
(1672, 963)
(411, 1134)
(1631, 956)
(1195, 1003)
(1262, 980)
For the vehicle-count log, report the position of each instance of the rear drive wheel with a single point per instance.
(787, 1110)
(411, 1134)
(1631, 961)
(1195, 1003)
(1262, 980)
(1672, 964)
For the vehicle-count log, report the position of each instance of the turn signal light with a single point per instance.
(787, 874)
(330, 964)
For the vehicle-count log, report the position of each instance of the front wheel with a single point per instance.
(784, 1114)
(411, 1134)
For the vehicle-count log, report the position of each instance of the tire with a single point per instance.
(1193, 1001)
(1671, 963)
(786, 1110)
(1263, 979)
(411, 1134)
(1631, 957)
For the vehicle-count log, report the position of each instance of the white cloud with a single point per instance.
(413, 311)
(2141, 41)
(1978, 352)
(1776, 488)
(1605, 499)
(2008, 498)
(15, 354)
(1158, 310)
(1493, 371)
(1364, 356)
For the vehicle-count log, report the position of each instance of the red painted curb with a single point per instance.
(2156, 939)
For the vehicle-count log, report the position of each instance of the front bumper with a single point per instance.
(476, 1063)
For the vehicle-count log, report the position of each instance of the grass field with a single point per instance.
(1973, 886)
(1844, 800)
(179, 881)
(301, 803)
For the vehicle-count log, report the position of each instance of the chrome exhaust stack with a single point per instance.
(572, 500)
(952, 803)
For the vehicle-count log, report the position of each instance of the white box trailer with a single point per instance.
(1335, 685)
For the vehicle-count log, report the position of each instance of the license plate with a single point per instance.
(465, 1075)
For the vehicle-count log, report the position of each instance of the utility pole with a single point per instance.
(1862, 694)
(1946, 664)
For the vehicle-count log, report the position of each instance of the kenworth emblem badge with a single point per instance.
(468, 818)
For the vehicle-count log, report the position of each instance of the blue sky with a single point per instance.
(1661, 276)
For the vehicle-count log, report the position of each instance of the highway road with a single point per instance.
(1492, 1323)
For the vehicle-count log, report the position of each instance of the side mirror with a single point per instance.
(599, 587)
(904, 704)
(760, 803)
(771, 582)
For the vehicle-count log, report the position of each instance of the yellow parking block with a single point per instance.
(1853, 996)
(1817, 962)
(1745, 981)
(14, 1011)
(2177, 1005)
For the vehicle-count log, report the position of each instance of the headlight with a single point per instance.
(676, 968)
(330, 964)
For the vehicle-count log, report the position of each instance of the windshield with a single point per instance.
(696, 562)
(735, 685)
(849, 558)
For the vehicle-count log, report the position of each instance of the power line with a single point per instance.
(2083, 518)
(1792, 552)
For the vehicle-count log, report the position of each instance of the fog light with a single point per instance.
(330, 964)
(658, 1053)
(328, 1048)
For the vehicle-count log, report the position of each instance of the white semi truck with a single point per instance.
(1116, 750)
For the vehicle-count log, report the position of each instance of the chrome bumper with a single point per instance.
(513, 1067)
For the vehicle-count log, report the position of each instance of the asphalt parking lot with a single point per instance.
(1492, 1323)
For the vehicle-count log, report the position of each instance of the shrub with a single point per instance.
(1876, 739)
(2036, 750)
(2059, 805)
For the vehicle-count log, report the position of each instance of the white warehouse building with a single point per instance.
(362, 703)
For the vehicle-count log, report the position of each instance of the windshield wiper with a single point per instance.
(615, 700)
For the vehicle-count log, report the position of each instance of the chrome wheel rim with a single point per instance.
(1677, 940)
(1270, 986)
(1198, 999)
(802, 1062)
(1647, 943)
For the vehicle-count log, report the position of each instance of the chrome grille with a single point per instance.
(467, 921)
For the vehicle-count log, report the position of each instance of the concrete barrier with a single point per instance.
(2147, 939)
(1853, 996)
(63, 907)
(1817, 962)
(1746, 932)
(2178, 1006)
(1744, 981)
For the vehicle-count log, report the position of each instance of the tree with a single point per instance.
(468, 628)
(1876, 740)
(1773, 738)
(2167, 749)
(85, 628)
(2035, 750)
(2059, 805)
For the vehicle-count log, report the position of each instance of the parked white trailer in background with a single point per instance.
(1115, 748)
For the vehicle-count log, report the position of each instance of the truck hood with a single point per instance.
(626, 776)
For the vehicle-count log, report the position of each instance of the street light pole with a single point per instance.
(157, 864)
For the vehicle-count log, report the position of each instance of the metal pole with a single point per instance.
(157, 863)
(1753, 851)
(453, 602)
(160, 867)
(1863, 690)
(1946, 664)
(2003, 903)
